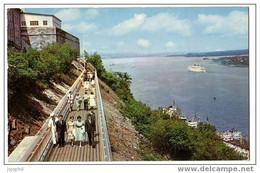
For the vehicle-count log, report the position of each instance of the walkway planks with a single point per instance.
(76, 153)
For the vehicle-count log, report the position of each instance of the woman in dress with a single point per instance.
(92, 101)
(79, 130)
(71, 130)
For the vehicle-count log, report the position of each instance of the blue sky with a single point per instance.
(155, 30)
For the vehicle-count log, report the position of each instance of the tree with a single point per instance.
(96, 61)
(25, 69)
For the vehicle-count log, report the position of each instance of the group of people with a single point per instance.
(76, 130)
(88, 98)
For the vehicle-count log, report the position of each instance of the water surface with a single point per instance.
(158, 81)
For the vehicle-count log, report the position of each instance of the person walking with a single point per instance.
(79, 130)
(93, 90)
(70, 98)
(61, 130)
(78, 101)
(92, 83)
(85, 100)
(93, 75)
(93, 117)
(52, 126)
(87, 86)
(71, 130)
(90, 126)
(89, 76)
(92, 101)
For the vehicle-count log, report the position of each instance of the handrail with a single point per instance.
(107, 154)
(41, 145)
(42, 142)
(61, 109)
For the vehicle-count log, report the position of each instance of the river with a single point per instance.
(157, 81)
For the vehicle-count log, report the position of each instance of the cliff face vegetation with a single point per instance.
(164, 138)
(124, 139)
(37, 80)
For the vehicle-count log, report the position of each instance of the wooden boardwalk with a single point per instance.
(76, 153)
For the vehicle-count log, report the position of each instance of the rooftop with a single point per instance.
(41, 15)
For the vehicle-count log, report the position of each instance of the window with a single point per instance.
(23, 23)
(34, 23)
(45, 22)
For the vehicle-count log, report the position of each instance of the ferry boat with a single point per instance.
(194, 121)
(197, 68)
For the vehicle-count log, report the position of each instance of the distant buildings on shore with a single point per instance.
(172, 111)
(235, 140)
(230, 135)
(241, 60)
(25, 30)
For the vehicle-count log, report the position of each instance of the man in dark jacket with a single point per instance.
(93, 117)
(61, 130)
(90, 127)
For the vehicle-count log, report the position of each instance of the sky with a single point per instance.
(155, 30)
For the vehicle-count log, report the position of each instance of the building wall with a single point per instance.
(37, 37)
(56, 22)
(51, 21)
(64, 37)
(40, 37)
(13, 28)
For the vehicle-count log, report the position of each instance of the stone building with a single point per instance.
(37, 31)
(14, 28)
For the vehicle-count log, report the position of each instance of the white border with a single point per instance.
(252, 81)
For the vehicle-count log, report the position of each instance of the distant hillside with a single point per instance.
(218, 53)
(174, 54)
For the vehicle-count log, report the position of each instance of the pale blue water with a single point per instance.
(158, 80)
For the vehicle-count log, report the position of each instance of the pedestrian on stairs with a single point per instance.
(61, 130)
(78, 101)
(52, 126)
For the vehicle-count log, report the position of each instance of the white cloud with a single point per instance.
(68, 14)
(169, 44)
(91, 13)
(129, 25)
(143, 43)
(160, 22)
(167, 22)
(236, 22)
(81, 27)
